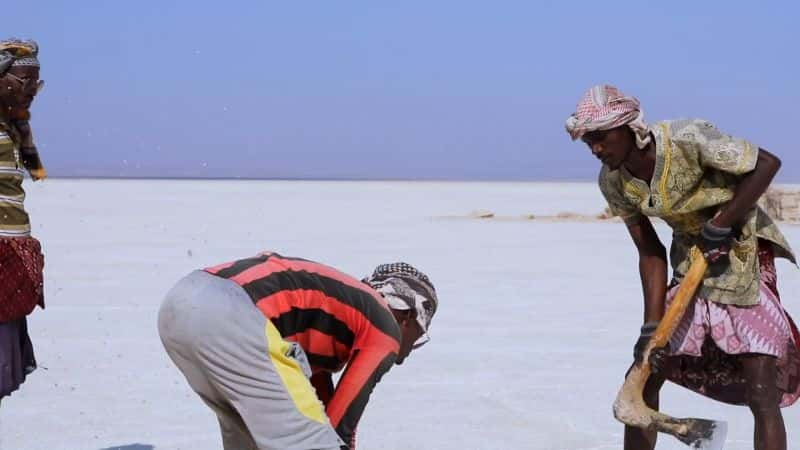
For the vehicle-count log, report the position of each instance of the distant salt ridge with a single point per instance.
(782, 204)
(559, 217)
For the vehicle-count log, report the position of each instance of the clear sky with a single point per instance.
(412, 89)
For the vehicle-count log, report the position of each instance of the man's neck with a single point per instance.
(642, 163)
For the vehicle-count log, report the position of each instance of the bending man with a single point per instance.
(259, 338)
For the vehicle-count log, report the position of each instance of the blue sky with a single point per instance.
(414, 89)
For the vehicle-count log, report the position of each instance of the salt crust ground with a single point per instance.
(534, 334)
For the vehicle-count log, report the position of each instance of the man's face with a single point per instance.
(612, 147)
(18, 87)
(411, 332)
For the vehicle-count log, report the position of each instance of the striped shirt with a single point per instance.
(338, 320)
(14, 220)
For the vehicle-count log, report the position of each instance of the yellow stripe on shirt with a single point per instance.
(297, 384)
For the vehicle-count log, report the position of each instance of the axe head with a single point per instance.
(703, 434)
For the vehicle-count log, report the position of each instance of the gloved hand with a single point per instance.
(658, 355)
(715, 242)
(645, 334)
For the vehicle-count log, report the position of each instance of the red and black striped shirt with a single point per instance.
(338, 320)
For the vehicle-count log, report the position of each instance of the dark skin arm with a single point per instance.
(652, 267)
(751, 187)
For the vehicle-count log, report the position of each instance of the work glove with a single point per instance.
(658, 355)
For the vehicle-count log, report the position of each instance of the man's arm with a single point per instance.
(751, 187)
(717, 233)
(323, 384)
(652, 267)
(28, 152)
(363, 372)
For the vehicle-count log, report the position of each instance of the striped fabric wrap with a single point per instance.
(711, 335)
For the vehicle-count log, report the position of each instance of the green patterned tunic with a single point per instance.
(13, 218)
(697, 170)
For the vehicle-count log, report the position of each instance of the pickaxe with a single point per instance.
(630, 408)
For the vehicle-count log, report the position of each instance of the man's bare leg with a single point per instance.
(764, 399)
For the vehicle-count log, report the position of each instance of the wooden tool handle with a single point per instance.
(674, 314)
(630, 408)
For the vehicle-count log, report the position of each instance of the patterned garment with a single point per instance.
(21, 278)
(338, 321)
(710, 334)
(604, 107)
(697, 170)
(405, 288)
(14, 220)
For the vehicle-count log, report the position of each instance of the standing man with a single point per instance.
(259, 338)
(736, 343)
(21, 259)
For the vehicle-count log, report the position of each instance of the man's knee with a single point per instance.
(762, 396)
(761, 393)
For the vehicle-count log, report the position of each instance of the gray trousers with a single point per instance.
(237, 362)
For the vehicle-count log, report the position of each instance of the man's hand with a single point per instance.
(715, 242)
(30, 160)
(658, 355)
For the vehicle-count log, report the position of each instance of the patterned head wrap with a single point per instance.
(604, 107)
(405, 288)
(16, 52)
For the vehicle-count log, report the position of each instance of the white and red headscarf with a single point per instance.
(406, 288)
(604, 107)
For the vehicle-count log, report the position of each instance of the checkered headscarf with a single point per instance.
(604, 107)
(404, 288)
(18, 52)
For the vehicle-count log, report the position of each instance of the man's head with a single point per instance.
(610, 123)
(612, 147)
(19, 78)
(412, 299)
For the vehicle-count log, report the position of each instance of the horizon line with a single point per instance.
(343, 179)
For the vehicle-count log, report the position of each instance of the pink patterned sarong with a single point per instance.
(711, 334)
